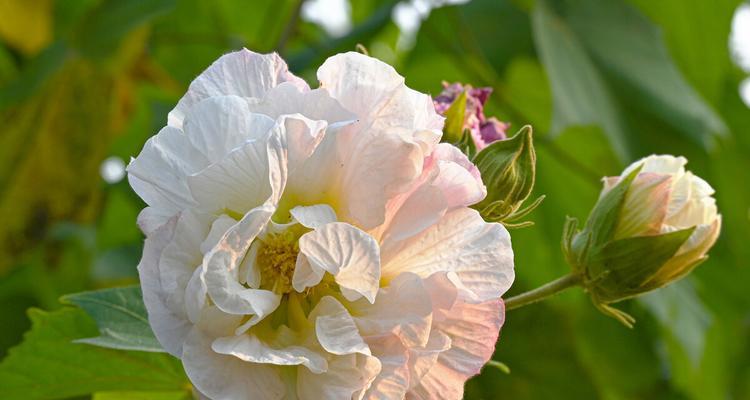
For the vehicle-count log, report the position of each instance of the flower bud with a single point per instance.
(651, 226)
(463, 107)
(508, 169)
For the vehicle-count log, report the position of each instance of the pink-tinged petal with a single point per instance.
(645, 205)
(422, 359)
(346, 376)
(349, 254)
(393, 380)
(377, 94)
(222, 269)
(459, 179)
(335, 328)
(403, 308)
(170, 327)
(242, 73)
(376, 168)
(224, 377)
(244, 179)
(249, 348)
(473, 330)
(478, 252)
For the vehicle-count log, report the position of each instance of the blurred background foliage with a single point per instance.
(83, 84)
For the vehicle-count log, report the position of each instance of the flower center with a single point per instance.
(277, 257)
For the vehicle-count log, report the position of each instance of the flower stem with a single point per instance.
(542, 292)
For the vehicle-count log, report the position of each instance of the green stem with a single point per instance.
(542, 292)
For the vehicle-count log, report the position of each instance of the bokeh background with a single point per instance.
(84, 83)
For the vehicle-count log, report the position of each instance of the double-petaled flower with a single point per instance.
(317, 243)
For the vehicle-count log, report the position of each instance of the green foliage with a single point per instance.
(49, 365)
(121, 317)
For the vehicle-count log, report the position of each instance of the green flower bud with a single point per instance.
(650, 227)
(508, 169)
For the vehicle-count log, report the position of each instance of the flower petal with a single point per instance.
(402, 308)
(314, 216)
(170, 327)
(349, 254)
(224, 377)
(244, 179)
(242, 73)
(478, 252)
(159, 174)
(473, 330)
(375, 91)
(249, 348)
(288, 98)
(222, 269)
(335, 328)
(217, 125)
(346, 376)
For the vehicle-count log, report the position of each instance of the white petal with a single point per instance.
(251, 349)
(336, 330)
(222, 269)
(181, 257)
(218, 228)
(242, 73)
(349, 254)
(314, 216)
(299, 136)
(478, 252)
(402, 308)
(346, 376)
(422, 359)
(244, 179)
(375, 91)
(170, 327)
(223, 377)
(217, 125)
(159, 173)
(305, 274)
(316, 104)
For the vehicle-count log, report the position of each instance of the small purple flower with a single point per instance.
(483, 130)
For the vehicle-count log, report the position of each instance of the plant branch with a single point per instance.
(543, 292)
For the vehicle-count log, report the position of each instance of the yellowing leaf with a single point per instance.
(26, 24)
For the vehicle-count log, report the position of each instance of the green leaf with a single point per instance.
(170, 395)
(579, 93)
(49, 365)
(630, 48)
(102, 30)
(454, 120)
(121, 317)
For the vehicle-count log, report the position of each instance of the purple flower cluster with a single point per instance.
(483, 130)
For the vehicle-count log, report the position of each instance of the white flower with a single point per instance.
(665, 198)
(316, 243)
